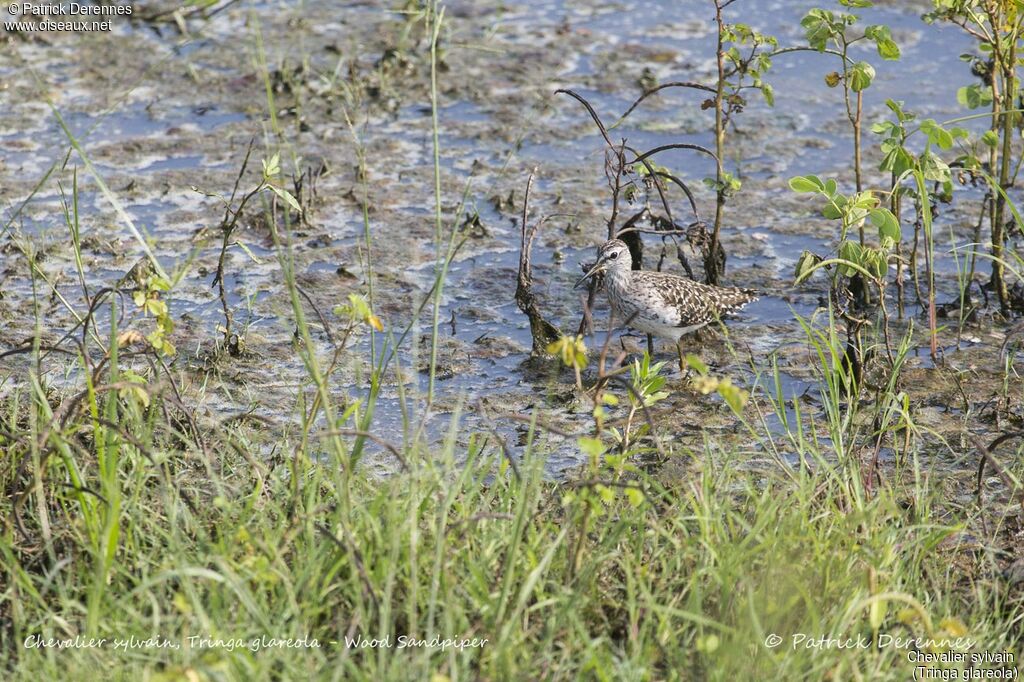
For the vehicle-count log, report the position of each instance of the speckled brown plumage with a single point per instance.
(660, 299)
(659, 303)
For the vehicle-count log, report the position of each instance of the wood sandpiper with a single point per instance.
(659, 303)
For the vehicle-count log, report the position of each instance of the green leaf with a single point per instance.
(642, 171)
(864, 200)
(272, 168)
(875, 261)
(135, 392)
(606, 493)
(974, 96)
(897, 160)
(861, 75)
(834, 208)
(888, 50)
(249, 253)
(806, 183)
(708, 644)
(855, 215)
(934, 168)
(937, 135)
(805, 264)
(734, 396)
(731, 184)
(853, 252)
(819, 25)
(896, 107)
(990, 138)
(887, 47)
(963, 97)
(155, 307)
(287, 196)
(886, 222)
(358, 310)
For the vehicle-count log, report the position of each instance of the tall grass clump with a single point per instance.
(125, 524)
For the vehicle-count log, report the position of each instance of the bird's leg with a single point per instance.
(682, 361)
(650, 346)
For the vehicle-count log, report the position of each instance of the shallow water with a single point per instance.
(197, 100)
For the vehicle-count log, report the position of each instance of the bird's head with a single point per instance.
(612, 254)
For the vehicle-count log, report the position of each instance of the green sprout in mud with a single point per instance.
(269, 180)
(903, 163)
(648, 385)
(858, 260)
(647, 382)
(147, 299)
(854, 263)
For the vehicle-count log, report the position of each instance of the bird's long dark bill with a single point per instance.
(590, 273)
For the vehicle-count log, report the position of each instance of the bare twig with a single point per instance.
(320, 316)
(590, 110)
(542, 331)
(673, 84)
(667, 147)
(228, 223)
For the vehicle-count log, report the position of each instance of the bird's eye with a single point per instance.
(613, 255)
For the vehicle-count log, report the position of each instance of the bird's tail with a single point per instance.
(734, 298)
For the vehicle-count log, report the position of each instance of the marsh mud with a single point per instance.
(165, 118)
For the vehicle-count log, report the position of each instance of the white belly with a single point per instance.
(648, 325)
(663, 331)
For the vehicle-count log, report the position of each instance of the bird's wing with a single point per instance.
(696, 303)
(681, 298)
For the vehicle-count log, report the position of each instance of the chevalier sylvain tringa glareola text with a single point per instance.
(659, 303)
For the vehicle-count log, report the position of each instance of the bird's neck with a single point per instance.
(618, 276)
